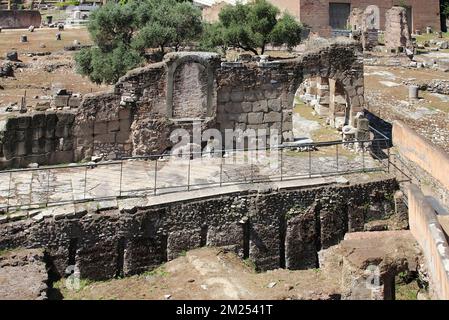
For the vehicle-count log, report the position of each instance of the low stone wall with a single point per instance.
(422, 152)
(18, 19)
(44, 138)
(274, 228)
(427, 231)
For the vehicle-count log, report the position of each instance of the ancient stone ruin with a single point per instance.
(145, 105)
(397, 33)
(365, 26)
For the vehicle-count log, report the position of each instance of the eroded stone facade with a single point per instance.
(274, 228)
(148, 103)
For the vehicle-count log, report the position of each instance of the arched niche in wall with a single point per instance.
(372, 16)
(190, 87)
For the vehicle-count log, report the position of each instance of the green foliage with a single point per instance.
(287, 31)
(444, 4)
(252, 27)
(123, 31)
(67, 3)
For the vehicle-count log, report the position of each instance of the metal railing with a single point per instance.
(160, 174)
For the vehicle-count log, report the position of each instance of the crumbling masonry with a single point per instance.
(148, 103)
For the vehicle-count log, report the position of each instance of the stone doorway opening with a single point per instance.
(320, 106)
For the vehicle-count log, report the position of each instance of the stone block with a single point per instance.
(228, 236)
(272, 117)
(124, 113)
(274, 105)
(61, 101)
(363, 124)
(260, 106)
(39, 120)
(255, 118)
(237, 96)
(233, 107)
(301, 240)
(50, 145)
(62, 131)
(242, 117)
(38, 146)
(247, 107)
(21, 135)
(223, 96)
(38, 133)
(74, 102)
(287, 116)
(125, 125)
(21, 148)
(113, 125)
(49, 133)
(271, 94)
(100, 127)
(23, 122)
(62, 157)
(123, 137)
(65, 117)
(183, 240)
(105, 138)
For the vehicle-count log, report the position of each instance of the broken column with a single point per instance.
(322, 102)
(413, 92)
(365, 26)
(397, 34)
(337, 104)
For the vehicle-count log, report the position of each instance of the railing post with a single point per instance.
(121, 177)
(363, 156)
(310, 163)
(188, 175)
(221, 171)
(48, 187)
(282, 164)
(9, 191)
(337, 157)
(155, 178)
(388, 160)
(85, 182)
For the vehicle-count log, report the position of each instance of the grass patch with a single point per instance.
(158, 272)
(249, 263)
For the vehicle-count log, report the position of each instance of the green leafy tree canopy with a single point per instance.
(122, 32)
(252, 27)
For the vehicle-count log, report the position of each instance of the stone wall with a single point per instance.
(19, 19)
(223, 95)
(148, 103)
(427, 231)
(422, 152)
(397, 34)
(273, 228)
(45, 138)
(315, 14)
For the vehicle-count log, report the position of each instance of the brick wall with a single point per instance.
(315, 13)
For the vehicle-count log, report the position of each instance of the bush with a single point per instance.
(252, 27)
(123, 31)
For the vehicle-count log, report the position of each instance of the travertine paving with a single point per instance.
(141, 177)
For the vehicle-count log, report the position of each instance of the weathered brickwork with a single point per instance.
(41, 137)
(315, 13)
(274, 228)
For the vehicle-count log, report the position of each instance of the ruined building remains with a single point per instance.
(323, 16)
(397, 35)
(148, 103)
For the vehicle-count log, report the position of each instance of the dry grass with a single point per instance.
(10, 40)
(33, 79)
